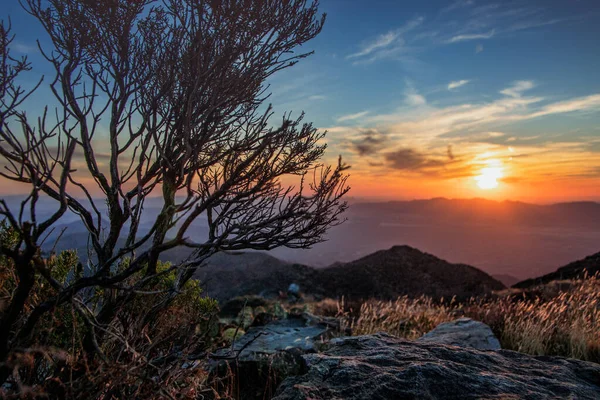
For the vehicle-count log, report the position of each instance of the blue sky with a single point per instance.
(422, 96)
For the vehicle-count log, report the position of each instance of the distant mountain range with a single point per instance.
(501, 238)
(386, 274)
(510, 240)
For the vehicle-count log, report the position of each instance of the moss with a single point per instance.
(229, 335)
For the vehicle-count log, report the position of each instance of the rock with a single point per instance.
(293, 289)
(262, 318)
(383, 367)
(265, 355)
(281, 335)
(463, 332)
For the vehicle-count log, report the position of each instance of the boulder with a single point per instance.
(267, 354)
(463, 332)
(279, 335)
(384, 367)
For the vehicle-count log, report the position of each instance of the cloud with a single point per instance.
(474, 122)
(518, 88)
(385, 45)
(471, 36)
(449, 152)
(579, 104)
(461, 21)
(410, 160)
(380, 42)
(414, 99)
(420, 141)
(457, 5)
(456, 84)
(532, 24)
(24, 48)
(370, 143)
(352, 117)
(317, 97)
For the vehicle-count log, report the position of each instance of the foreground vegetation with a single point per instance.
(560, 319)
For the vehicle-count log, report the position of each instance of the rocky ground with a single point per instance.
(301, 356)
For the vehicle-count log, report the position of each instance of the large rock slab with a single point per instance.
(280, 335)
(463, 332)
(267, 354)
(383, 367)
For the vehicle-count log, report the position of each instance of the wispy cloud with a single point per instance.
(518, 88)
(352, 117)
(456, 84)
(457, 5)
(385, 45)
(454, 141)
(471, 36)
(24, 48)
(380, 42)
(580, 104)
(462, 21)
(414, 98)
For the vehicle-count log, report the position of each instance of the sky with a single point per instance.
(465, 98)
(457, 99)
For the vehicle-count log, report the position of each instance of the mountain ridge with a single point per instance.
(385, 274)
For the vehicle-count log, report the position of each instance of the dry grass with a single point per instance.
(555, 319)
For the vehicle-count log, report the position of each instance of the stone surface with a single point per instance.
(280, 335)
(267, 354)
(463, 332)
(383, 367)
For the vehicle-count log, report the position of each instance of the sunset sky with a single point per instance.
(465, 98)
(438, 98)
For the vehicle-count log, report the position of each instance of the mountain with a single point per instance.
(499, 237)
(386, 274)
(403, 270)
(577, 269)
(228, 275)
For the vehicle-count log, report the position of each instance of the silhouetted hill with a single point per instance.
(574, 270)
(229, 275)
(403, 270)
(386, 274)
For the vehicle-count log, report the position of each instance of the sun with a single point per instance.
(489, 175)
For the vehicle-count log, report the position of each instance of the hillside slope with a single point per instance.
(403, 270)
(229, 275)
(574, 270)
(385, 274)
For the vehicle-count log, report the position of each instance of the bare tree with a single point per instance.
(159, 97)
